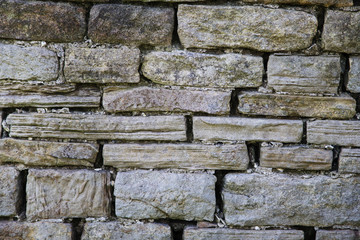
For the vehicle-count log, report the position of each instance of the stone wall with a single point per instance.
(180, 119)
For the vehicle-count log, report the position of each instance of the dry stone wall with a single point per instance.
(180, 119)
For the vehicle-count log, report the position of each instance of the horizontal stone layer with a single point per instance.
(192, 69)
(9, 192)
(11, 88)
(144, 194)
(183, 156)
(326, 3)
(353, 81)
(337, 235)
(261, 29)
(286, 200)
(349, 160)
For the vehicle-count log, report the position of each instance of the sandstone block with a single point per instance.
(261, 29)
(9, 191)
(154, 194)
(341, 31)
(343, 107)
(118, 99)
(337, 235)
(304, 74)
(45, 21)
(40, 153)
(95, 127)
(95, 65)
(349, 161)
(118, 231)
(353, 83)
(184, 156)
(9, 88)
(131, 24)
(281, 199)
(326, 3)
(246, 129)
(184, 68)
(61, 193)
(296, 157)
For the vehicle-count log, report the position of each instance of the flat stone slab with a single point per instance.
(9, 191)
(349, 160)
(144, 194)
(326, 3)
(353, 83)
(337, 235)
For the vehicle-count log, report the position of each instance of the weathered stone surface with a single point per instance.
(236, 234)
(92, 127)
(349, 161)
(184, 68)
(353, 83)
(296, 157)
(118, 231)
(184, 156)
(155, 194)
(262, 29)
(105, 65)
(118, 99)
(45, 21)
(337, 235)
(343, 133)
(343, 107)
(10, 88)
(9, 191)
(131, 25)
(304, 74)
(40, 153)
(341, 31)
(281, 199)
(35, 231)
(326, 3)
(61, 193)
(246, 129)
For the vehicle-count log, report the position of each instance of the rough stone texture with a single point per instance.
(130, 24)
(105, 65)
(343, 133)
(296, 157)
(9, 191)
(155, 194)
(262, 29)
(118, 99)
(184, 68)
(27, 63)
(35, 231)
(45, 21)
(184, 156)
(246, 129)
(343, 107)
(60, 193)
(11, 88)
(326, 3)
(235, 234)
(281, 199)
(349, 161)
(337, 235)
(353, 83)
(117, 231)
(40, 153)
(93, 127)
(304, 74)
(341, 31)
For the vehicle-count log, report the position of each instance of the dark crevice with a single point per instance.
(99, 162)
(265, 62)
(189, 128)
(21, 201)
(218, 189)
(356, 96)
(320, 27)
(175, 36)
(254, 153)
(345, 67)
(356, 2)
(304, 135)
(111, 193)
(87, 18)
(234, 102)
(309, 232)
(335, 163)
(177, 227)
(77, 228)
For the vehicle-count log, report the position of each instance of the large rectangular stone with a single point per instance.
(246, 129)
(337, 235)
(102, 65)
(253, 103)
(261, 29)
(62, 193)
(296, 157)
(191, 233)
(9, 191)
(341, 31)
(290, 200)
(41, 230)
(184, 68)
(353, 81)
(120, 99)
(119, 231)
(184, 156)
(326, 3)
(343, 133)
(93, 127)
(44, 21)
(40, 153)
(304, 74)
(144, 194)
(349, 160)
(131, 24)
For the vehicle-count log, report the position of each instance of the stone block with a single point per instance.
(9, 191)
(337, 235)
(326, 3)
(349, 160)
(353, 83)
